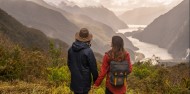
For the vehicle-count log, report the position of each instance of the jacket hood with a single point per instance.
(77, 46)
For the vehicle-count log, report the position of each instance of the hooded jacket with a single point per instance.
(82, 64)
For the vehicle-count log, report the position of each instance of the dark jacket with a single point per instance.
(82, 64)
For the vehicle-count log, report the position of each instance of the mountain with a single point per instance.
(142, 15)
(26, 37)
(102, 33)
(51, 22)
(100, 14)
(170, 30)
(180, 46)
(18, 33)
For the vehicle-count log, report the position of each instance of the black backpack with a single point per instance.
(118, 73)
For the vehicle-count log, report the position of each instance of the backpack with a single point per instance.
(118, 73)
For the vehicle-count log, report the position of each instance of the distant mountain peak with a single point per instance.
(100, 14)
(74, 3)
(68, 3)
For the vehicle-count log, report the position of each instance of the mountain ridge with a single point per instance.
(26, 37)
(100, 14)
(167, 28)
(142, 15)
(46, 20)
(102, 33)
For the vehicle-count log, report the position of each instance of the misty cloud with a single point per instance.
(118, 5)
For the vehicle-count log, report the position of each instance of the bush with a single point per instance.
(59, 75)
(11, 65)
(19, 63)
(58, 72)
(146, 78)
(34, 67)
(142, 71)
(55, 55)
(35, 64)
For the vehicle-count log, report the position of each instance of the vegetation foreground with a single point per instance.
(33, 71)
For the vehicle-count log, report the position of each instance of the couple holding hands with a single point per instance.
(116, 65)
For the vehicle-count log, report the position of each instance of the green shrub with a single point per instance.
(35, 64)
(19, 63)
(55, 55)
(142, 71)
(146, 78)
(59, 75)
(10, 63)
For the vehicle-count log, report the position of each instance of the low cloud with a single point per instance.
(119, 6)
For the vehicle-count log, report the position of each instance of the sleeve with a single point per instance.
(93, 65)
(103, 71)
(129, 61)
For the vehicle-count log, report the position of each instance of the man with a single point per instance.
(82, 63)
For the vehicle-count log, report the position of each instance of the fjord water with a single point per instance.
(131, 28)
(146, 48)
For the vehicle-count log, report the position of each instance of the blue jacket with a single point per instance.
(82, 64)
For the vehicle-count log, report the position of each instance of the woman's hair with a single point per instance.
(117, 43)
(118, 50)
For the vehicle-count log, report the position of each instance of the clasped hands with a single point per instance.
(94, 87)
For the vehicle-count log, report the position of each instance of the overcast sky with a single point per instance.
(119, 6)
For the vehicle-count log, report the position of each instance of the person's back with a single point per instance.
(82, 64)
(118, 55)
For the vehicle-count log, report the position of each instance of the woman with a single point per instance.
(117, 53)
